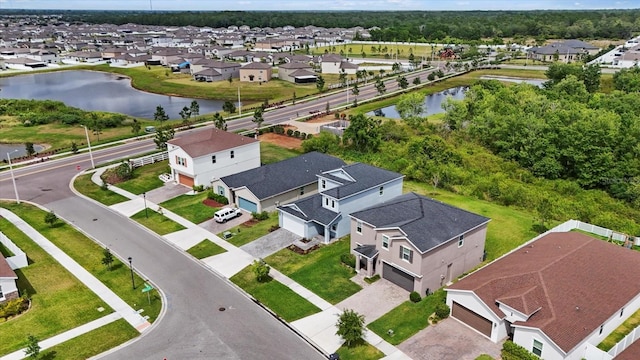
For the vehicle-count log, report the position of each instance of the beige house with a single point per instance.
(297, 72)
(416, 242)
(255, 72)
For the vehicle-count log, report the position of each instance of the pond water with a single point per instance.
(536, 82)
(432, 103)
(22, 150)
(92, 90)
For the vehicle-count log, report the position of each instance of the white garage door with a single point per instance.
(293, 224)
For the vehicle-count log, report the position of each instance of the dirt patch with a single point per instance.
(212, 203)
(281, 140)
(297, 250)
(322, 119)
(111, 176)
(250, 223)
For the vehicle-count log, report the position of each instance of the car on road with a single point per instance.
(225, 214)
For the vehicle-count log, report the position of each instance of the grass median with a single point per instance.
(205, 249)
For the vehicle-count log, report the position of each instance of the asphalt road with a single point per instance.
(192, 327)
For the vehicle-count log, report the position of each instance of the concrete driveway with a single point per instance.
(449, 340)
(167, 191)
(270, 243)
(375, 300)
(217, 228)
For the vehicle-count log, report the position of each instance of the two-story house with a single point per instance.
(201, 157)
(416, 242)
(341, 192)
(255, 72)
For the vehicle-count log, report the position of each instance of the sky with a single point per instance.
(218, 5)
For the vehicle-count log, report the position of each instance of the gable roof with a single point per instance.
(5, 270)
(365, 176)
(578, 282)
(428, 223)
(257, 65)
(311, 209)
(210, 141)
(280, 177)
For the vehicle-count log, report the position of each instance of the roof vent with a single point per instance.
(577, 308)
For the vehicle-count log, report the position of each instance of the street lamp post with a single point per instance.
(86, 132)
(144, 197)
(133, 283)
(13, 178)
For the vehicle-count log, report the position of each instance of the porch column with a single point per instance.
(327, 234)
(369, 267)
(358, 259)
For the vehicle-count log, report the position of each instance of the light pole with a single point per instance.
(144, 197)
(86, 132)
(13, 178)
(133, 284)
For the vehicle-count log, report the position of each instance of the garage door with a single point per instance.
(472, 319)
(397, 277)
(185, 180)
(247, 205)
(293, 225)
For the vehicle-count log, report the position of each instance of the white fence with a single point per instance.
(593, 353)
(625, 343)
(149, 159)
(19, 258)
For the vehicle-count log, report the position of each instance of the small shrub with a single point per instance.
(198, 188)
(513, 351)
(14, 307)
(289, 132)
(415, 297)
(51, 218)
(442, 311)
(260, 216)
(274, 228)
(372, 279)
(309, 136)
(104, 186)
(217, 198)
(296, 134)
(303, 136)
(261, 269)
(337, 115)
(348, 259)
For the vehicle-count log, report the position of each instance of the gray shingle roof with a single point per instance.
(365, 176)
(311, 209)
(428, 223)
(277, 178)
(368, 251)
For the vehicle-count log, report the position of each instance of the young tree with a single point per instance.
(194, 108)
(160, 115)
(219, 122)
(261, 269)
(591, 77)
(416, 80)
(230, 79)
(355, 90)
(363, 133)
(162, 136)
(74, 148)
(107, 258)
(96, 127)
(402, 82)
(185, 114)
(293, 98)
(350, 327)
(257, 117)
(33, 348)
(135, 127)
(411, 108)
(325, 142)
(228, 107)
(327, 108)
(29, 148)
(50, 218)
(343, 78)
(320, 83)
(380, 87)
(395, 67)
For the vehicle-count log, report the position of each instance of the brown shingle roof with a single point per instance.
(210, 141)
(5, 270)
(578, 282)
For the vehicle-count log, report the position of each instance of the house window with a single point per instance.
(461, 241)
(359, 227)
(385, 242)
(621, 312)
(181, 161)
(302, 190)
(333, 204)
(381, 190)
(406, 254)
(1, 294)
(601, 329)
(233, 154)
(213, 159)
(326, 201)
(323, 184)
(334, 227)
(537, 348)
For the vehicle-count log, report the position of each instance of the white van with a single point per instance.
(225, 214)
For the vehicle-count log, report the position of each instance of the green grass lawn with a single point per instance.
(319, 271)
(93, 342)
(245, 234)
(407, 319)
(145, 178)
(270, 153)
(190, 207)
(620, 332)
(204, 249)
(156, 222)
(276, 296)
(484, 357)
(88, 188)
(360, 351)
(60, 302)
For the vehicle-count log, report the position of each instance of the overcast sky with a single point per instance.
(318, 4)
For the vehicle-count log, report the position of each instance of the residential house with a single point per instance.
(336, 64)
(341, 192)
(8, 282)
(558, 296)
(255, 71)
(82, 57)
(565, 51)
(199, 158)
(264, 188)
(297, 72)
(416, 242)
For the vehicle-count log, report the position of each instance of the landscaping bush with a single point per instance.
(217, 198)
(14, 307)
(289, 132)
(261, 269)
(260, 216)
(303, 136)
(296, 134)
(512, 351)
(279, 129)
(337, 115)
(442, 311)
(348, 259)
(274, 228)
(198, 188)
(415, 297)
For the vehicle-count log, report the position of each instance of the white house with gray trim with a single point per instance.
(341, 192)
(8, 282)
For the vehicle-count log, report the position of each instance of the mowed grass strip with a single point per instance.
(276, 296)
(88, 188)
(92, 343)
(156, 222)
(271, 153)
(620, 332)
(205, 248)
(320, 271)
(145, 178)
(362, 350)
(190, 207)
(59, 301)
(246, 233)
(89, 255)
(407, 319)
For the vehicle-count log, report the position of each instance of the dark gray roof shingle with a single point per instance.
(311, 209)
(365, 176)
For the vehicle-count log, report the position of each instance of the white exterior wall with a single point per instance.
(8, 287)
(330, 67)
(469, 300)
(293, 224)
(525, 336)
(177, 152)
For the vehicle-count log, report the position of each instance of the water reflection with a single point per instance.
(432, 103)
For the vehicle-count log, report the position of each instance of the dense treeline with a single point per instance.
(39, 112)
(402, 25)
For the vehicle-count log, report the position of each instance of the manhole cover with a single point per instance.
(222, 308)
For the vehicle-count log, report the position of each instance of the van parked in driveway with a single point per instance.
(225, 214)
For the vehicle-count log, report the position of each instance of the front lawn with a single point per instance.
(620, 332)
(204, 249)
(361, 351)
(247, 232)
(270, 153)
(319, 271)
(274, 295)
(156, 222)
(88, 188)
(145, 178)
(407, 319)
(190, 207)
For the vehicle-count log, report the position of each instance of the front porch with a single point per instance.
(366, 256)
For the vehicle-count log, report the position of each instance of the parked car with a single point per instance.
(225, 214)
